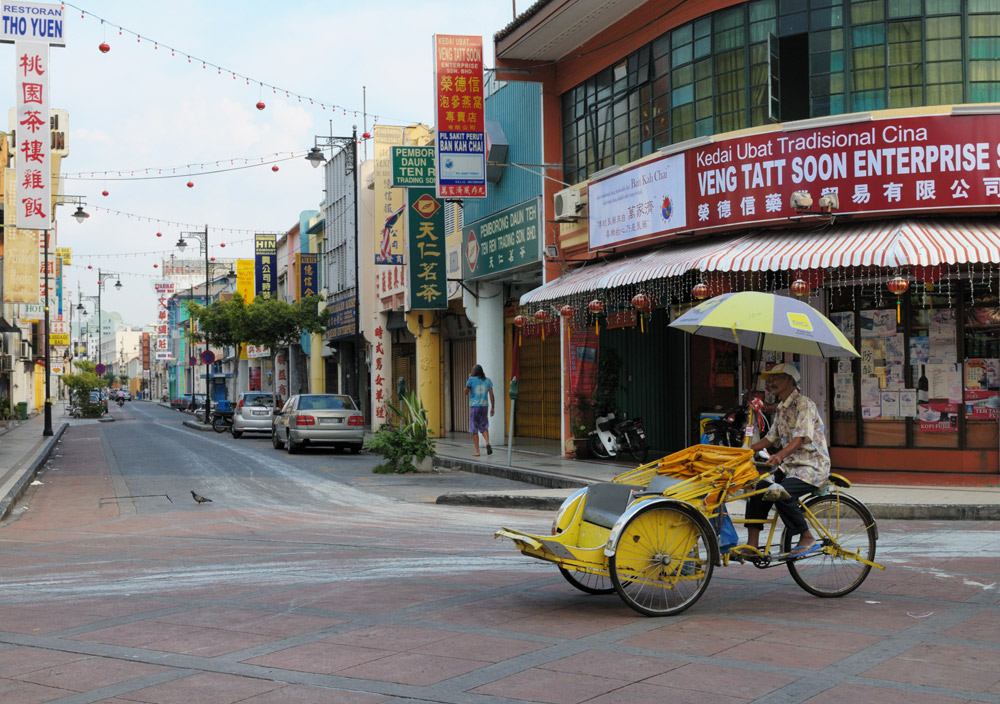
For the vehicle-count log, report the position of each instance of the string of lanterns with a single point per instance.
(104, 47)
(172, 223)
(615, 305)
(148, 173)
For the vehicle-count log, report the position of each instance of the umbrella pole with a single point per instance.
(756, 355)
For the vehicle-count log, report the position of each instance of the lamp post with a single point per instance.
(80, 216)
(202, 238)
(315, 157)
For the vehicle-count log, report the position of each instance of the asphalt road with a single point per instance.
(310, 579)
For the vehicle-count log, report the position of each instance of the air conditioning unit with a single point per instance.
(6, 363)
(25, 350)
(568, 205)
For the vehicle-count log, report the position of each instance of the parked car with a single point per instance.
(128, 395)
(318, 419)
(181, 402)
(253, 412)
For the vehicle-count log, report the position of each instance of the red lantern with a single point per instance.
(700, 291)
(190, 184)
(800, 287)
(567, 313)
(159, 234)
(212, 259)
(156, 266)
(222, 244)
(89, 266)
(274, 168)
(104, 192)
(898, 285)
(642, 303)
(366, 135)
(260, 105)
(104, 47)
(596, 307)
(519, 322)
(542, 316)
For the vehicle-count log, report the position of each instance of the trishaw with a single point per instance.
(652, 534)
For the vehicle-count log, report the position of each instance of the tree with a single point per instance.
(221, 323)
(81, 384)
(274, 323)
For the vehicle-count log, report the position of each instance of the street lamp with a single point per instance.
(315, 157)
(58, 200)
(102, 276)
(202, 238)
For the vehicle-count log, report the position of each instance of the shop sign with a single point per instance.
(34, 22)
(59, 339)
(307, 269)
(34, 142)
(66, 254)
(342, 322)
(461, 140)
(413, 166)
(389, 203)
(428, 269)
(937, 164)
(245, 279)
(622, 319)
(258, 351)
(265, 255)
(504, 241)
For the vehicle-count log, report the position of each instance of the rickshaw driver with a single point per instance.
(803, 459)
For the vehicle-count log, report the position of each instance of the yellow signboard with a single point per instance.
(245, 279)
(59, 339)
(66, 254)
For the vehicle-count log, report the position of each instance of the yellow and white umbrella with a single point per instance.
(765, 321)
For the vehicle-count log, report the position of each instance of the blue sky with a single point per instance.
(138, 107)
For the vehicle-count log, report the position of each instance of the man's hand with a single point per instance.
(492, 411)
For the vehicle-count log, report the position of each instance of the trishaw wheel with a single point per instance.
(663, 560)
(588, 582)
(851, 529)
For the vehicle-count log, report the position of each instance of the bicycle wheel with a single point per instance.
(588, 582)
(663, 561)
(851, 528)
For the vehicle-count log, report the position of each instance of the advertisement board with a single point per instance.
(904, 164)
(265, 254)
(461, 140)
(503, 241)
(428, 269)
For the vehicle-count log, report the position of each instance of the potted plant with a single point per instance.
(406, 442)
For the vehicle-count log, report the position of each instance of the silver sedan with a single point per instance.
(318, 419)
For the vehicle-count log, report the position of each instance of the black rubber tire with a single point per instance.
(292, 448)
(637, 447)
(588, 582)
(237, 434)
(596, 447)
(355, 449)
(852, 528)
(219, 425)
(276, 442)
(662, 562)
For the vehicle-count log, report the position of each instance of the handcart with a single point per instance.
(655, 534)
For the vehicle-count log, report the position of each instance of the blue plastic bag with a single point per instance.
(728, 538)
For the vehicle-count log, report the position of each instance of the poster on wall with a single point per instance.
(583, 346)
(938, 417)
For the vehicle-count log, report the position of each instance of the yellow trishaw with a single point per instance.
(652, 534)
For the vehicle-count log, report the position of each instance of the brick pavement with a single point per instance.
(399, 603)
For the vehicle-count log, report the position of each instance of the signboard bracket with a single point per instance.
(461, 282)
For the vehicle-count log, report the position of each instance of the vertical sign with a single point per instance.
(245, 279)
(34, 173)
(265, 253)
(428, 269)
(389, 203)
(461, 142)
(308, 264)
(145, 351)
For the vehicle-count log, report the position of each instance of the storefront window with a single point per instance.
(929, 379)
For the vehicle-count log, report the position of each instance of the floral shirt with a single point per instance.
(797, 417)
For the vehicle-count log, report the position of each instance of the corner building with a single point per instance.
(683, 131)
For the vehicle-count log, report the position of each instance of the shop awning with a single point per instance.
(659, 264)
(883, 244)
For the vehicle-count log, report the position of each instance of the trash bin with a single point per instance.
(21, 410)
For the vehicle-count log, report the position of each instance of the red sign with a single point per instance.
(460, 147)
(903, 164)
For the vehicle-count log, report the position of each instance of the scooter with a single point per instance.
(120, 401)
(612, 437)
(221, 421)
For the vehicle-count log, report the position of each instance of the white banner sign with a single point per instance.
(257, 351)
(32, 22)
(34, 141)
(647, 199)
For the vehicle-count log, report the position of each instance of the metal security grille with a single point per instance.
(463, 358)
(538, 413)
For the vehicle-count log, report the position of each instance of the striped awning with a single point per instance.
(887, 244)
(659, 264)
(883, 244)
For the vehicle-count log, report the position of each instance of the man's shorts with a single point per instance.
(479, 419)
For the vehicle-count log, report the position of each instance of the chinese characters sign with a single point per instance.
(428, 267)
(389, 203)
(245, 279)
(503, 241)
(265, 256)
(461, 141)
(379, 380)
(307, 267)
(342, 322)
(34, 173)
(903, 164)
(145, 351)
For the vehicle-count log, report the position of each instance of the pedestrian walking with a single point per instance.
(479, 389)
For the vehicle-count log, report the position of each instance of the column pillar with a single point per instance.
(487, 315)
(424, 327)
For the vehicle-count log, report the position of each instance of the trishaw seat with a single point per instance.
(605, 502)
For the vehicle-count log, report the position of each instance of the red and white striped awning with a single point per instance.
(659, 264)
(887, 244)
(883, 244)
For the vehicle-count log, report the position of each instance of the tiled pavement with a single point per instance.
(407, 603)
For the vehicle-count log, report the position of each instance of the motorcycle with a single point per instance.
(613, 437)
(120, 401)
(221, 421)
(736, 425)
